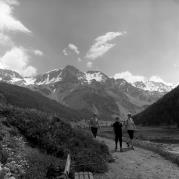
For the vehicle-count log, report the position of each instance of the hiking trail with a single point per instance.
(138, 164)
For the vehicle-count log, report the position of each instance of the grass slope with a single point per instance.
(55, 138)
(89, 98)
(26, 98)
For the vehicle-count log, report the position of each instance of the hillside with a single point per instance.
(34, 143)
(26, 98)
(164, 111)
(97, 101)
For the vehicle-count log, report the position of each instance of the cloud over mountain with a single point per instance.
(71, 48)
(17, 59)
(74, 48)
(14, 58)
(128, 76)
(102, 44)
(158, 79)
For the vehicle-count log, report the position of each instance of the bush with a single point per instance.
(40, 164)
(3, 156)
(58, 138)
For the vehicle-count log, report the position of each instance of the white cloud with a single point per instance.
(129, 77)
(5, 40)
(17, 59)
(9, 23)
(89, 64)
(102, 45)
(98, 51)
(74, 48)
(156, 79)
(38, 52)
(71, 48)
(29, 71)
(7, 20)
(65, 52)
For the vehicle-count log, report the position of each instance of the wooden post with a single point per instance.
(67, 166)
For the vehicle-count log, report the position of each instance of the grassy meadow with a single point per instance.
(154, 134)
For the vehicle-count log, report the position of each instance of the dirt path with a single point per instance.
(138, 164)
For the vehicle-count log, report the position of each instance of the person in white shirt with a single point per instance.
(130, 126)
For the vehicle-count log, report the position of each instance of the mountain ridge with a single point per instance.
(93, 91)
(58, 75)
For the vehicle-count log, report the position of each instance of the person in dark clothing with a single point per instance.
(117, 127)
(94, 125)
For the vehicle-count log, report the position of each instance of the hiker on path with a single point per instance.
(130, 126)
(117, 127)
(94, 125)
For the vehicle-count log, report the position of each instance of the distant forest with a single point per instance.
(164, 111)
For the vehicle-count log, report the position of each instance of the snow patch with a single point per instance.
(14, 80)
(29, 81)
(94, 76)
(153, 86)
(48, 81)
(53, 70)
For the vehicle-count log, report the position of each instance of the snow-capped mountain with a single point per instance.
(48, 77)
(91, 90)
(149, 85)
(69, 73)
(11, 77)
(153, 86)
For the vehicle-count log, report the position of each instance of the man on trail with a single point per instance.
(130, 126)
(94, 125)
(117, 127)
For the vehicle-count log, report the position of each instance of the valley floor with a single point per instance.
(138, 164)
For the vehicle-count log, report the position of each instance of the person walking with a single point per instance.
(130, 126)
(117, 127)
(94, 125)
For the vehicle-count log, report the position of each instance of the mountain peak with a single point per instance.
(11, 76)
(6, 72)
(70, 68)
(48, 77)
(95, 75)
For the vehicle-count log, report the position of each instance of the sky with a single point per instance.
(133, 39)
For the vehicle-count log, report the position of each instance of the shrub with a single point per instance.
(3, 156)
(40, 164)
(56, 137)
